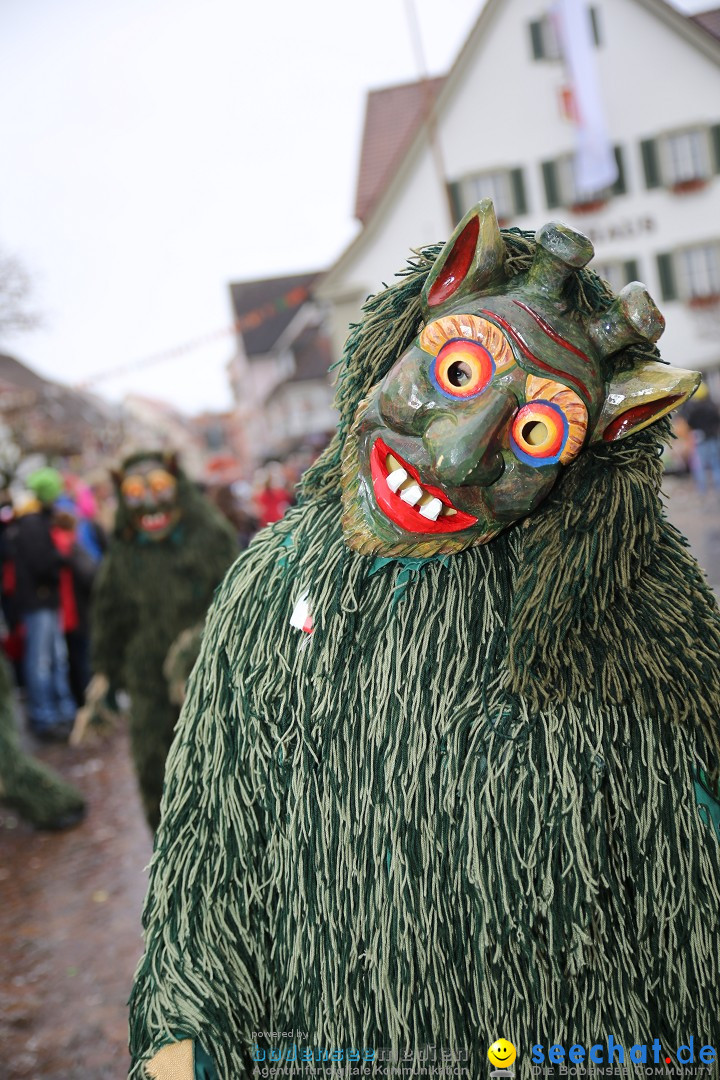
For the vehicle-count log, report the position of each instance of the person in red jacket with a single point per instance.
(50, 706)
(76, 578)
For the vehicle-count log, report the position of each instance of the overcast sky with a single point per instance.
(155, 150)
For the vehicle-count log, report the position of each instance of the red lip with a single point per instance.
(404, 515)
(154, 522)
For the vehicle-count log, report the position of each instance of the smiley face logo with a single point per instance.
(502, 1054)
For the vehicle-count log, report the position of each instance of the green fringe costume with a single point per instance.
(478, 800)
(145, 594)
(35, 791)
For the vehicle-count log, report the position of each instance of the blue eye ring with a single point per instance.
(549, 451)
(462, 369)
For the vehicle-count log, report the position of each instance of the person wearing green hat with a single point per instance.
(46, 484)
(50, 706)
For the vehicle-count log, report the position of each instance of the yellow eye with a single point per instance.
(539, 433)
(568, 403)
(159, 481)
(471, 328)
(462, 369)
(133, 489)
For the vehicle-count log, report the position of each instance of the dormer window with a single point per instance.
(545, 40)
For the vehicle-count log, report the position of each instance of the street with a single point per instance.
(71, 902)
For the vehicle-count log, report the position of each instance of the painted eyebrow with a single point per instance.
(564, 376)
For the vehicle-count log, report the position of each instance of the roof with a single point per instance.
(271, 298)
(698, 30)
(709, 20)
(393, 116)
(48, 409)
(15, 373)
(313, 355)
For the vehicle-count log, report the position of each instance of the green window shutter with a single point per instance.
(620, 186)
(536, 40)
(552, 188)
(456, 200)
(715, 140)
(651, 165)
(666, 271)
(517, 180)
(632, 271)
(595, 24)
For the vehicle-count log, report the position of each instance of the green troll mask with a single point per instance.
(148, 498)
(504, 385)
(169, 551)
(446, 771)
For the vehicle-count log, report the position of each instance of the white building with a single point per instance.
(498, 125)
(279, 375)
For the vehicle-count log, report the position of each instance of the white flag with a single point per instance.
(595, 164)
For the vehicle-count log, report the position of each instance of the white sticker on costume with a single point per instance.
(301, 618)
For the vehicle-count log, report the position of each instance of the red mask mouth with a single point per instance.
(408, 502)
(155, 522)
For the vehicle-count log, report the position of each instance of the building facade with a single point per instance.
(279, 375)
(502, 124)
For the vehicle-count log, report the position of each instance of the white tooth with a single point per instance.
(411, 494)
(396, 478)
(431, 510)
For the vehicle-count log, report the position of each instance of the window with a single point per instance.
(506, 188)
(617, 272)
(691, 273)
(682, 160)
(687, 156)
(699, 271)
(545, 41)
(561, 189)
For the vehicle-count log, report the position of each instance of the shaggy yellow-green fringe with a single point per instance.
(146, 593)
(38, 793)
(369, 837)
(464, 806)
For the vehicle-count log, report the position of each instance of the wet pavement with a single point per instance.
(70, 937)
(70, 903)
(698, 517)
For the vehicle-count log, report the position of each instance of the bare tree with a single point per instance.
(16, 311)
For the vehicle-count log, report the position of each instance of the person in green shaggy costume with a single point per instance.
(169, 552)
(446, 772)
(38, 793)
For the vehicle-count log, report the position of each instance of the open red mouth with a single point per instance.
(155, 522)
(405, 499)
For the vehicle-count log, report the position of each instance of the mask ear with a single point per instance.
(637, 397)
(471, 262)
(171, 461)
(117, 476)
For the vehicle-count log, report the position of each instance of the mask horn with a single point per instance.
(560, 251)
(471, 263)
(631, 317)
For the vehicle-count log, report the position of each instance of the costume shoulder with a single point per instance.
(234, 698)
(205, 541)
(113, 612)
